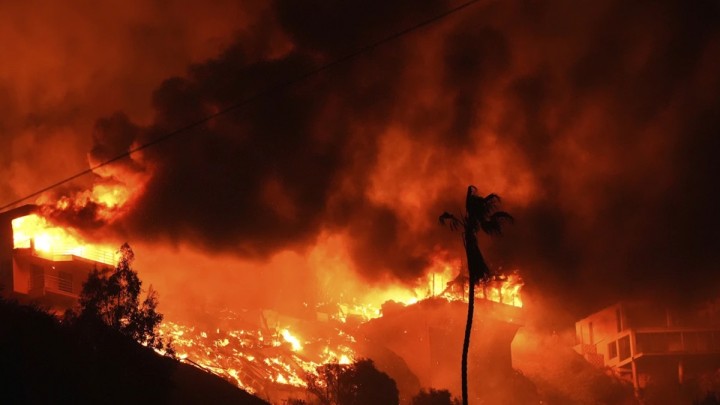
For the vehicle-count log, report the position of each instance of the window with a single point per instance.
(612, 350)
(37, 278)
(624, 347)
(65, 281)
(659, 342)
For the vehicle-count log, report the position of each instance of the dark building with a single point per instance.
(651, 344)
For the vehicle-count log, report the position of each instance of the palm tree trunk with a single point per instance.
(466, 342)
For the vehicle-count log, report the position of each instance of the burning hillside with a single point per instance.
(269, 353)
(294, 157)
(571, 123)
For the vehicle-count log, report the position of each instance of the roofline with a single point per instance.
(18, 212)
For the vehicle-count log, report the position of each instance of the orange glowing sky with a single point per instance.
(597, 125)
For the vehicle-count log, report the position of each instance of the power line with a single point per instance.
(263, 93)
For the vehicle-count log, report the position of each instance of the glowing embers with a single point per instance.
(102, 204)
(500, 288)
(504, 289)
(294, 342)
(254, 359)
(447, 280)
(54, 242)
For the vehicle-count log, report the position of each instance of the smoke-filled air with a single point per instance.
(261, 168)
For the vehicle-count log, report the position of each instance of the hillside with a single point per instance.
(43, 361)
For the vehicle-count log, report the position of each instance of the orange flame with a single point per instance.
(256, 359)
(35, 232)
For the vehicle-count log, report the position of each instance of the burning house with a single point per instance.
(38, 267)
(651, 344)
(415, 335)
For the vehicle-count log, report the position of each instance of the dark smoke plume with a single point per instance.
(597, 124)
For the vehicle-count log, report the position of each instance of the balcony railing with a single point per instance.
(61, 253)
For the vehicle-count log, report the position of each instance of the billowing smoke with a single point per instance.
(296, 162)
(596, 124)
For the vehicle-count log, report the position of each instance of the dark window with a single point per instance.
(659, 342)
(624, 347)
(37, 278)
(612, 350)
(65, 281)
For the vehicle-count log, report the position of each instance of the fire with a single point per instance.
(296, 346)
(504, 289)
(111, 196)
(258, 358)
(269, 355)
(444, 278)
(108, 202)
(35, 232)
(255, 359)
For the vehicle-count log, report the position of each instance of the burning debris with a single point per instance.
(267, 353)
(258, 360)
(264, 359)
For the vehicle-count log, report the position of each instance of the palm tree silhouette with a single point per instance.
(480, 214)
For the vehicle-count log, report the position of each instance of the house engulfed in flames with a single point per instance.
(36, 267)
(416, 341)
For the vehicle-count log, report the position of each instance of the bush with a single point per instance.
(434, 397)
(359, 383)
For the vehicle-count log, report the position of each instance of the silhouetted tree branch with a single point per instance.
(112, 296)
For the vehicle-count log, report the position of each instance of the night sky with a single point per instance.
(598, 124)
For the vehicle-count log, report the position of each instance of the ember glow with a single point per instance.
(257, 359)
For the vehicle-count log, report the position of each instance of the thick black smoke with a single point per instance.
(605, 117)
(261, 179)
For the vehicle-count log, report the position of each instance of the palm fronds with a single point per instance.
(451, 220)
